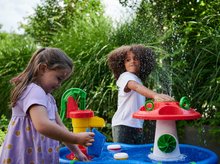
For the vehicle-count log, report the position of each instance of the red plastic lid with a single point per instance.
(81, 114)
(166, 111)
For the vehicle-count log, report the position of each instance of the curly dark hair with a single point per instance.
(145, 55)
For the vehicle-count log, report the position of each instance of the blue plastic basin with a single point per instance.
(138, 154)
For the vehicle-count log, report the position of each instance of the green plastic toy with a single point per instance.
(185, 103)
(149, 101)
(166, 143)
(76, 93)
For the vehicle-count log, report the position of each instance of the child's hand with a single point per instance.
(80, 156)
(85, 138)
(163, 97)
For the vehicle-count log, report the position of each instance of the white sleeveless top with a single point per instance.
(128, 103)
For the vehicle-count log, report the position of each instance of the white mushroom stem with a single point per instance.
(165, 127)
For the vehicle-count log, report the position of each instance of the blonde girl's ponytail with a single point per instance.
(54, 58)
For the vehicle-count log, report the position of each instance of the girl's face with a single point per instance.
(132, 63)
(50, 80)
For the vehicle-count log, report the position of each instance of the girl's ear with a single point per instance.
(42, 68)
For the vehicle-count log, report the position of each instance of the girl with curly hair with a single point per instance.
(131, 64)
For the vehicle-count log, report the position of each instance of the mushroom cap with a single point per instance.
(166, 111)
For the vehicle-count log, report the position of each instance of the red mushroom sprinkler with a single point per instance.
(166, 145)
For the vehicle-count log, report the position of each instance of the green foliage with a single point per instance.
(2, 137)
(3, 128)
(53, 15)
(197, 48)
(46, 21)
(83, 34)
(86, 41)
(4, 123)
(15, 51)
(186, 34)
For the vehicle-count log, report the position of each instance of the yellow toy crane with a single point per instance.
(81, 118)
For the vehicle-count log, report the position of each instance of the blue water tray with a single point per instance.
(138, 154)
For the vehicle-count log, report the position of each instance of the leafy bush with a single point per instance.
(86, 42)
(3, 128)
(15, 51)
(2, 137)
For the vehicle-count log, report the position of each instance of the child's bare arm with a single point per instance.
(72, 147)
(81, 135)
(52, 130)
(141, 89)
(78, 153)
